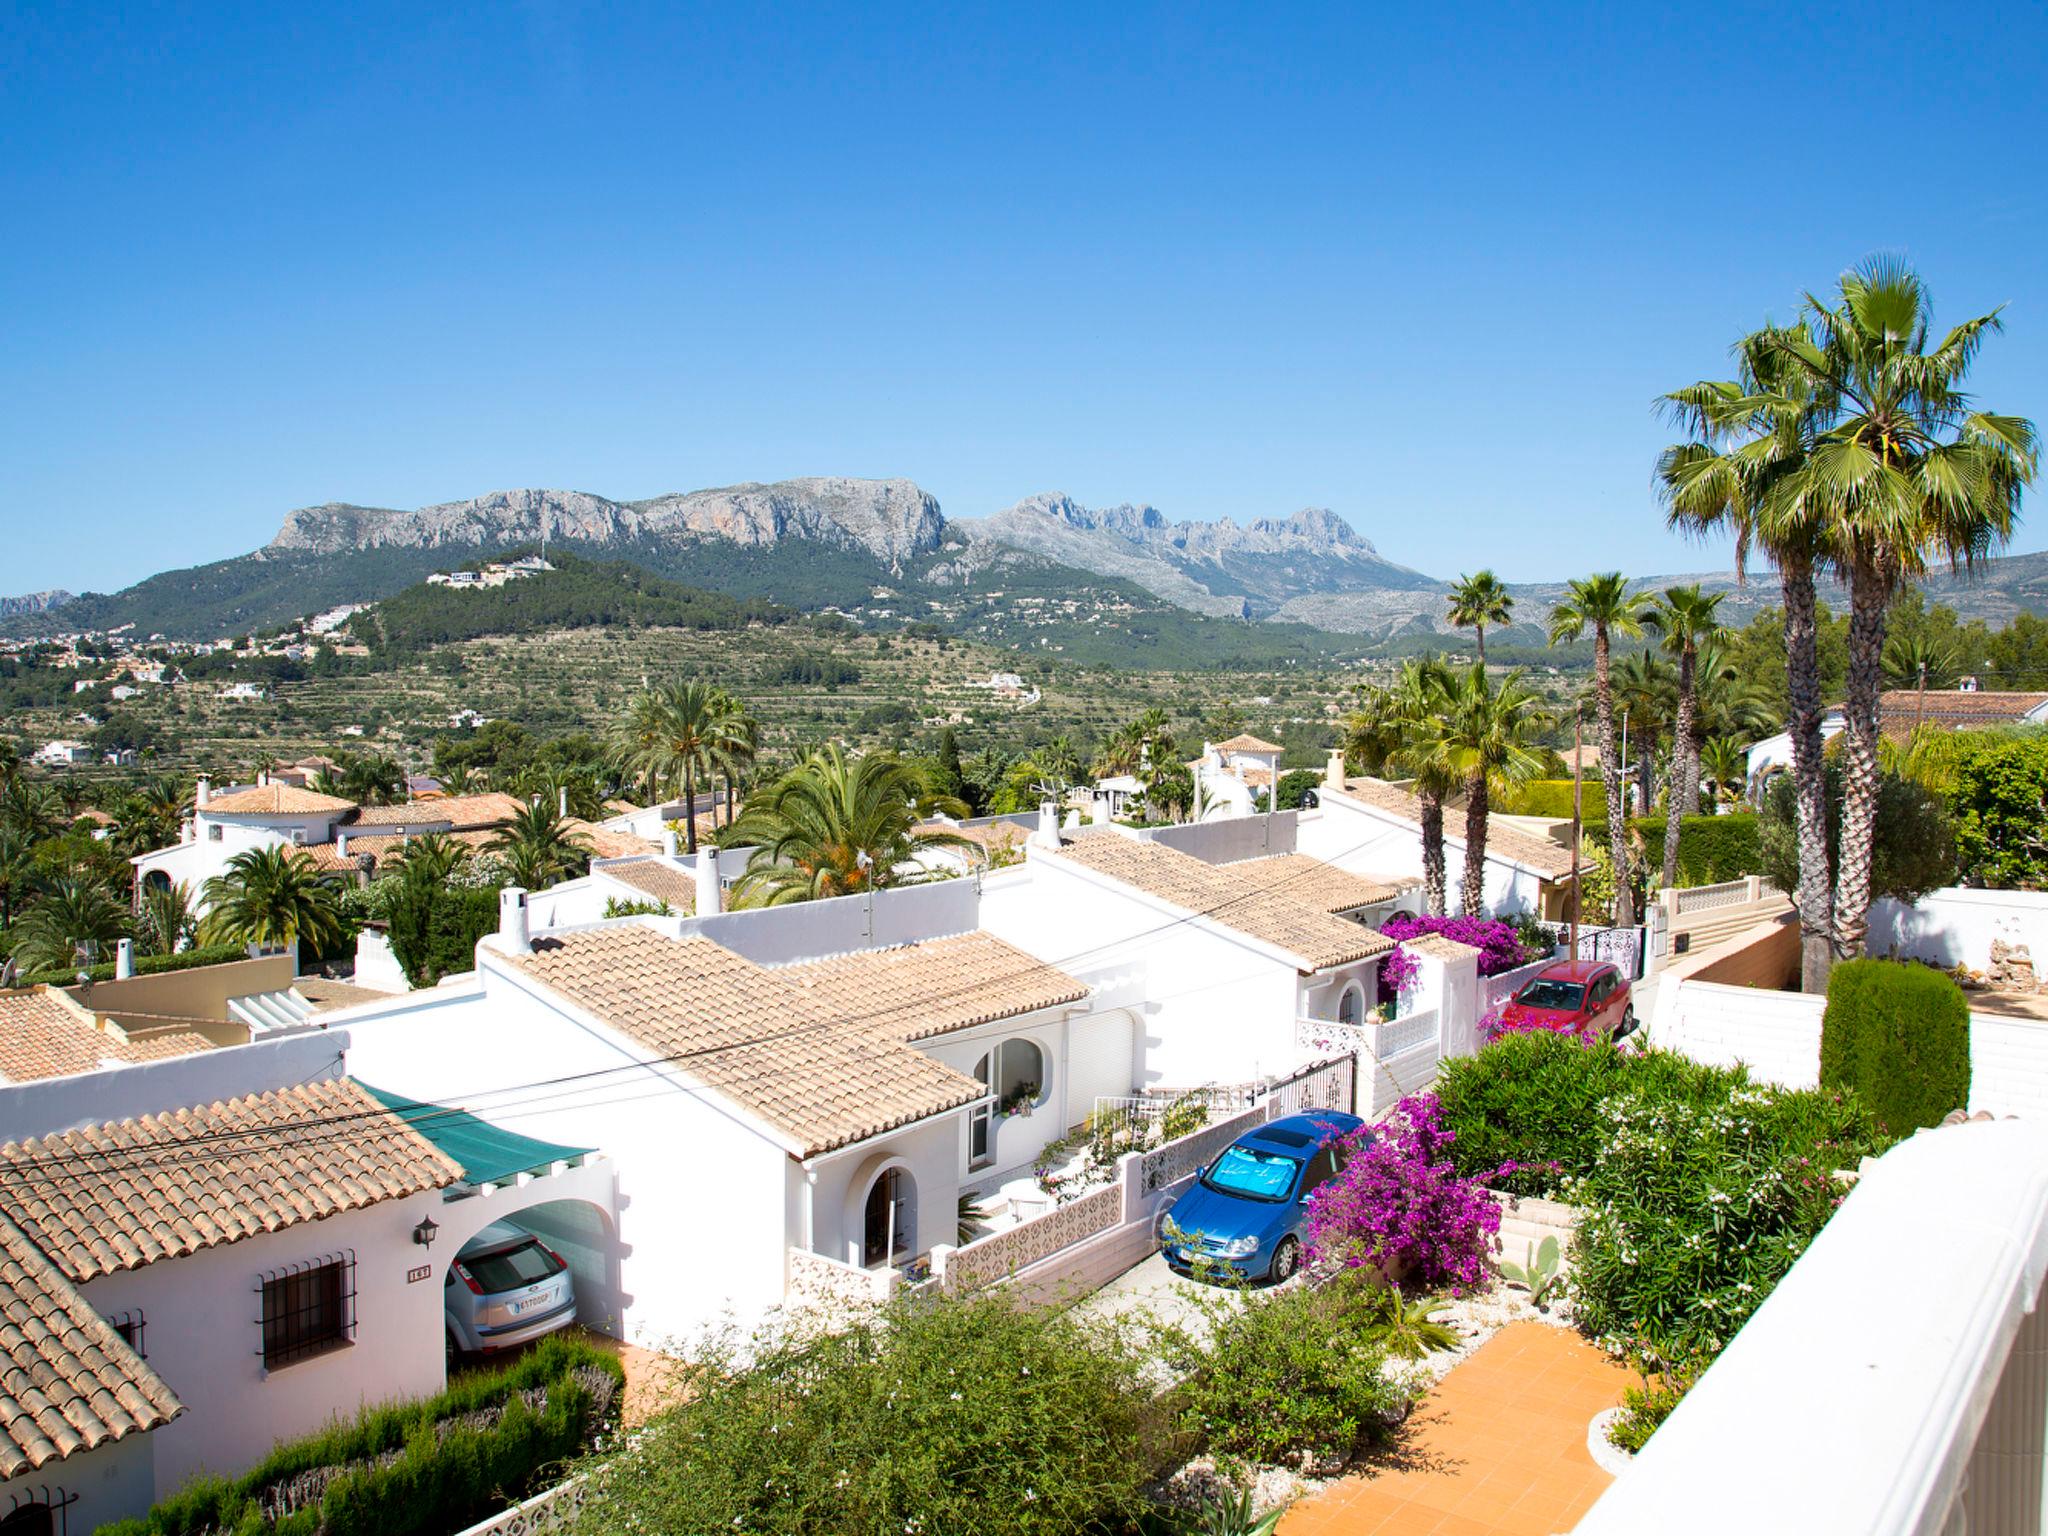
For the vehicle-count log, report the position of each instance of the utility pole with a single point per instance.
(1578, 717)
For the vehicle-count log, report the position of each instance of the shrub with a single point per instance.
(413, 1469)
(1898, 1035)
(1913, 850)
(1710, 848)
(1550, 797)
(1998, 795)
(1296, 785)
(434, 929)
(1499, 943)
(145, 965)
(1293, 1373)
(1401, 1208)
(964, 1416)
(635, 906)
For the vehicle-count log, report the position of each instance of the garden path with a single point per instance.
(1497, 1449)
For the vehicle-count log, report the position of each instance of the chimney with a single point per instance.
(668, 842)
(1333, 771)
(341, 842)
(513, 936)
(124, 959)
(562, 801)
(1048, 833)
(710, 894)
(203, 793)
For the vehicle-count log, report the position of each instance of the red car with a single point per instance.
(1585, 997)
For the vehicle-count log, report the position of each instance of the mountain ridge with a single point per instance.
(33, 602)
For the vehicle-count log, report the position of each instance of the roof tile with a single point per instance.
(44, 1034)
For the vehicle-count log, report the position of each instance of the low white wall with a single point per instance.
(377, 965)
(1955, 926)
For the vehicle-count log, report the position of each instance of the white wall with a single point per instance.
(1102, 1055)
(113, 1482)
(203, 1335)
(1015, 1139)
(932, 1153)
(1956, 925)
(1365, 841)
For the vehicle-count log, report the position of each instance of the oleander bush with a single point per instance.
(1898, 1034)
(423, 1468)
(948, 1416)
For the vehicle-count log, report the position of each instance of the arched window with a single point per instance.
(1350, 1005)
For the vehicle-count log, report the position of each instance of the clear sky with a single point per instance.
(1428, 269)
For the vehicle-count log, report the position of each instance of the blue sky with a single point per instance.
(1427, 268)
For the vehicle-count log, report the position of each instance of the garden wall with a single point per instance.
(1955, 926)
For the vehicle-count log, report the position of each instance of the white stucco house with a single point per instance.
(1371, 824)
(1232, 776)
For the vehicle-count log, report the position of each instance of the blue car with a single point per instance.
(1243, 1217)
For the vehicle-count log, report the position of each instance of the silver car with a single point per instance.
(505, 1287)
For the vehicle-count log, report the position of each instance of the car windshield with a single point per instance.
(1544, 992)
(1252, 1175)
(511, 1268)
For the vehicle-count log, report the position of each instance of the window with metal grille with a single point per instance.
(308, 1308)
(129, 1325)
(35, 1512)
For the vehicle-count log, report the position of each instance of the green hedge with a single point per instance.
(1710, 848)
(434, 930)
(442, 1479)
(145, 965)
(1552, 797)
(1898, 1035)
(1998, 796)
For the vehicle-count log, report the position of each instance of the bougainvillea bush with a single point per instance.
(1398, 972)
(1400, 1206)
(1500, 946)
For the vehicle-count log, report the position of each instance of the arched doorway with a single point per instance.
(889, 1219)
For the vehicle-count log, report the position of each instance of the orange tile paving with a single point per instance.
(1498, 1449)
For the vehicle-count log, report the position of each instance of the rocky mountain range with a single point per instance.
(33, 602)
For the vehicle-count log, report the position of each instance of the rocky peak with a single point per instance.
(33, 602)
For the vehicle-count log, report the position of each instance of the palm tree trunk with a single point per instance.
(1432, 853)
(1473, 884)
(1681, 751)
(1481, 628)
(1610, 773)
(690, 803)
(1809, 782)
(1869, 590)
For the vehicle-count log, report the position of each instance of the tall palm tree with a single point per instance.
(699, 725)
(834, 826)
(69, 920)
(1646, 692)
(1412, 713)
(165, 920)
(638, 743)
(539, 846)
(271, 897)
(1604, 604)
(1477, 601)
(17, 869)
(1486, 741)
(1725, 760)
(1905, 469)
(1688, 618)
(1919, 662)
(1740, 474)
(737, 752)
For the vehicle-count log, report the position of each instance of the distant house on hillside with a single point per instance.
(62, 754)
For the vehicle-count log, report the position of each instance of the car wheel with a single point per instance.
(1286, 1260)
(1628, 1023)
(454, 1348)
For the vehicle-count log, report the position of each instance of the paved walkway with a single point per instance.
(1498, 1449)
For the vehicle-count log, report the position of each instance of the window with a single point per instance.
(213, 832)
(1252, 1174)
(129, 1326)
(1350, 1006)
(308, 1309)
(1603, 988)
(40, 1513)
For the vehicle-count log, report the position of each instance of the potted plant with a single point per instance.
(1018, 1100)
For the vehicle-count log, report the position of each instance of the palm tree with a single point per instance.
(1920, 662)
(71, 920)
(1725, 760)
(1904, 469)
(698, 726)
(165, 920)
(1411, 722)
(737, 752)
(1486, 742)
(30, 808)
(638, 743)
(272, 898)
(1646, 691)
(1477, 601)
(1604, 604)
(17, 869)
(834, 826)
(1688, 619)
(1740, 475)
(430, 859)
(539, 846)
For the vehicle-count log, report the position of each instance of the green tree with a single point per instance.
(1604, 604)
(1914, 851)
(836, 825)
(1479, 600)
(1487, 742)
(165, 920)
(69, 919)
(270, 897)
(1688, 619)
(1725, 761)
(539, 847)
(1905, 469)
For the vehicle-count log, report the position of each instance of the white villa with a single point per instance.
(1232, 776)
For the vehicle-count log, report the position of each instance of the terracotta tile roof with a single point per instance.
(459, 813)
(602, 843)
(621, 808)
(96, 816)
(1901, 708)
(755, 1038)
(1315, 938)
(1550, 860)
(328, 859)
(1316, 884)
(996, 837)
(131, 1192)
(915, 991)
(656, 879)
(1440, 946)
(68, 1381)
(274, 800)
(44, 1034)
(1246, 743)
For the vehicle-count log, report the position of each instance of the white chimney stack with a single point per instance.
(562, 801)
(1333, 771)
(513, 935)
(124, 959)
(710, 894)
(341, 842)
(1048, 833)
(203, 793)
(668, 842)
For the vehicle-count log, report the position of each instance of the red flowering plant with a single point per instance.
(1400, 971)
(1400, 1207)
(1500, 946)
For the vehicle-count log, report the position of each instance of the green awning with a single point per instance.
(486, 1153)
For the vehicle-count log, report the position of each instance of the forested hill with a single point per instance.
(577, 594)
